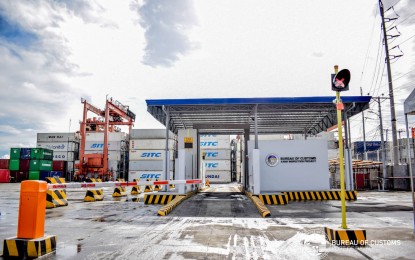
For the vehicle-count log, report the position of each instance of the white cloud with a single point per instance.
(166, 24)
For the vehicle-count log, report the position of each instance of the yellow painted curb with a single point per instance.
(319, 195)
(263, 210)
(170, 206)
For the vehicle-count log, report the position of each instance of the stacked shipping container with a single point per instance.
(147, 153)
(65, 147)
(217, 150)
(30, 163)
(4, 171)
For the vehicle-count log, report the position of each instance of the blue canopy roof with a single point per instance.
(283, 115)
(264, 100)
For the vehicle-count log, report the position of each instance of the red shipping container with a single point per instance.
(18, 176)
(59, 166)
(4, 163)
(24, 165)
(4, 176)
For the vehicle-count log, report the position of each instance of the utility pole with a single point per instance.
(392, 101)
(382, 145)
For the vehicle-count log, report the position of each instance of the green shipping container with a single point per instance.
(14, 153)
(41, 154)
(34, 175)
(47, 154)
(45, 165)
(34, 165)
(14, 164)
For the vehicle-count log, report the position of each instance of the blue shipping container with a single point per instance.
(43, 175)
(25, 153)
(56, 174)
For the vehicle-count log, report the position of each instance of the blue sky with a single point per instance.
(52, 53)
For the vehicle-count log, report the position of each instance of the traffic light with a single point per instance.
(340, 81)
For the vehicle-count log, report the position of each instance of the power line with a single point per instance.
(381, 79)
(406, 18)
(368, 48)
(405, 40)
(377, 64)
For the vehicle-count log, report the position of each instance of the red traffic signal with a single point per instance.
(340, 81)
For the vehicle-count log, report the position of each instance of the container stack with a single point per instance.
(30, 164)
(65, 147)
(217, 151)
(147, 153)
(4, 171)
(117, 150)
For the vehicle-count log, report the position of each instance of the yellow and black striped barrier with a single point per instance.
(346, 237)
(136, 189)
(28, 248)
(158, 199)
(171, 185)
(99, 180)
(56, 198)
(273, 199)
(120, 180)
(148, 188)
(319, 195)
(91, 180)
(55, 180)
(119, 192)
(94, 195)
(263, 210)
(170, 206)
(157, 187)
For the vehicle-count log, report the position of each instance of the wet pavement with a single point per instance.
(219, 223)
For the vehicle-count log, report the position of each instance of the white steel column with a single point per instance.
(181, 169)
(166, 166)
(256, 158)
(408, 148)
(256, 171)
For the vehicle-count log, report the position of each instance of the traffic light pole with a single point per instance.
(340, 107)
(338, 236)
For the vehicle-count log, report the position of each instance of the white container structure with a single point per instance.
(99, 146)
(112, 136)
(57, 137)
(59, 146)
(217, 151)
(218, 176)
(151, 144)
(65, 147)
(149, 155)
(218, 165)
(150, 134)
(143, 175)
(148, 165)
(63, 156)
(216, 154)
(147, 152)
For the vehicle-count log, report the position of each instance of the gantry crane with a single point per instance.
(113, 115)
